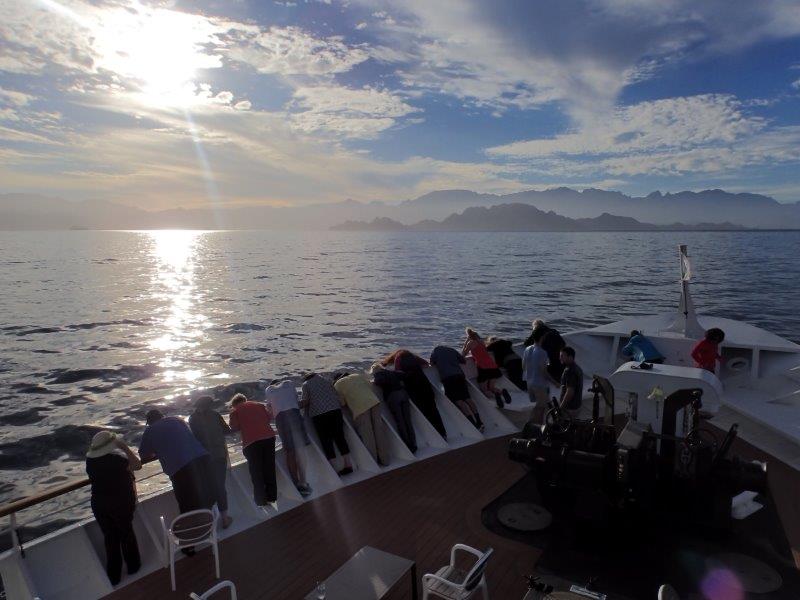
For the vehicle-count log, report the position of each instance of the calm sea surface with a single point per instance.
(94, 325)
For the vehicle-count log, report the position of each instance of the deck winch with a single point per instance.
(639, 468)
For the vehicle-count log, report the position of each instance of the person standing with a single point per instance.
(706, 351)
(534, 366)
(552, 343)
(323, 405)
(109, 465)
(418, 386)
(281, 396)
(183, 459)
(396, 398)
(488, 372)
(252, 419)
(504, 355)
(571, 383)
(210, 429)
(641, 349)
(448, 363)
(356, 393)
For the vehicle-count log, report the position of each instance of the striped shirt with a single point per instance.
(320, 395)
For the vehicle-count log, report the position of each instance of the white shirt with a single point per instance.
(281, 396)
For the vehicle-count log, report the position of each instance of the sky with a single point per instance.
(241, 102)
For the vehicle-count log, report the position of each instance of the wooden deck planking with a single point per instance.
(418, 512)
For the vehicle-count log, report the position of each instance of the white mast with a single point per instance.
(686, 320)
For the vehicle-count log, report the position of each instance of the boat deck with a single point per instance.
(418, 512)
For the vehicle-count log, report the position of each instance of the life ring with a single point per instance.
(738, 364)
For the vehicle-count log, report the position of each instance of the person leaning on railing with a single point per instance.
(110, 465)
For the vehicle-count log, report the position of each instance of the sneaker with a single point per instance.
(499, 400)
(304, 489)
(345, 471)
(506, 396)
(226, 521)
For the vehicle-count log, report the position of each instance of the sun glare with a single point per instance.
(160, 49)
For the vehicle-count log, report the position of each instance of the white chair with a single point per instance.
(217, 588)
(188, 530)
(453, 583)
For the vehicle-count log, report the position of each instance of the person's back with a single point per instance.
(389, 381)
(641, 349)
(501, 350)
(210, 429)
(252, 419)
(111, 478)
(483, 360)
(408, 361)
(357, 393)
(281, 396)
(172, 442)
(447, 361)
(535, 361)
(320, 395)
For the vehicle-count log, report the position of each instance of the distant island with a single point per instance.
(525, 217)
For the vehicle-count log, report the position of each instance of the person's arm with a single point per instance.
(226, 430)
(133, 461)
(467, 347)
(233, 421)
(627, 350)
(526, 356)
(697, 353)
(566, 396)
(146, 453)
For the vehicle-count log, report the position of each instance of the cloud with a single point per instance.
(353, 113)
(796, 84)
(14, 98)
(290, 51)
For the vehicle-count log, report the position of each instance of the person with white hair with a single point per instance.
(110, 464)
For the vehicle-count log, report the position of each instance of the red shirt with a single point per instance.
(706, 354)
(481, 355)
(252, 419)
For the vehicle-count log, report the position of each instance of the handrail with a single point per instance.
(47, 494)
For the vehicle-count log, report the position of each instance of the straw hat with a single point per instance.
(102, 444)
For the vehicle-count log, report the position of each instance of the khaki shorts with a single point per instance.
(539, 396)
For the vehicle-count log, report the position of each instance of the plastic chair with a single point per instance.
(452, 583)
(187, 530)
(217, 588)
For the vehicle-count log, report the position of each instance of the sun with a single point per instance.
(157, 50)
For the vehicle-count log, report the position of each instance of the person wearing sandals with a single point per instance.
(488, 372)
(282, 397)
(322, 403)
(210, 429)
(110, 464)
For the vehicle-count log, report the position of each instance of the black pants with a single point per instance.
(400, 407)
(421, 393)
(330, 430)
(514, 370)
(260, 457)
(194, 485)
(116, 523)
(219, 468)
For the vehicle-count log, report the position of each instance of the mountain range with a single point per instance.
(33, 211)
(522, 217)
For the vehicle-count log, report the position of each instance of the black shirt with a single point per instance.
(502, 350)
(389, 381)
(111, 477)
(572, 377)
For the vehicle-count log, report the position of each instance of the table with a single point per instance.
(369, 575)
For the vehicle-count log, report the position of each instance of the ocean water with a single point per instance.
(95, 327)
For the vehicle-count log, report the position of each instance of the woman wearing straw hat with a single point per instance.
(110, 464)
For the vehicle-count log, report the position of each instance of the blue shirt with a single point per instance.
(641, 349)
(534, 367)
(173, 443)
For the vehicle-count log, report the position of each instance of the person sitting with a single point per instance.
(322, 403)
(396, 398)
(504, 355)
(534, 362)
(356, 393)
(706, 352)
(488, 372)
(552, 343)
(252, 419)
(281, 396)
(183, 459)
(210, 429)
(109, 465)
(571, 383)
(642, 349)
(448, 363)
(418, 386)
